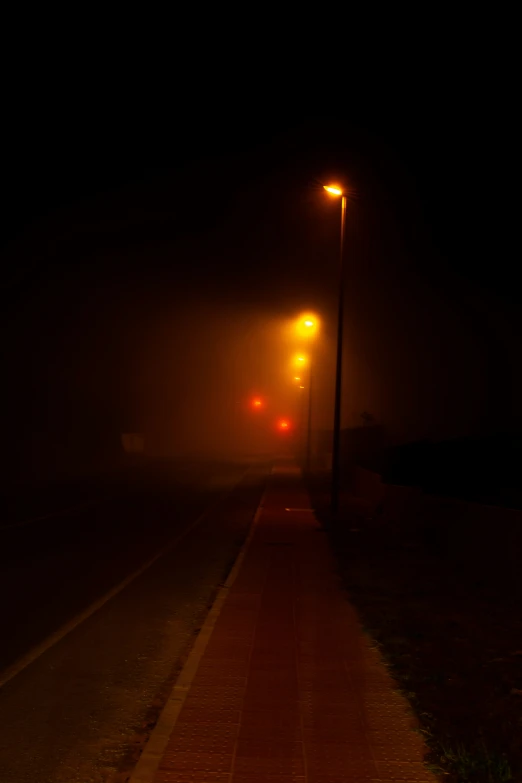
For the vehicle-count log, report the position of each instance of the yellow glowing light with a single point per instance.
(334, 189)
(257, 403)
(307, 325)
(301, 387)
(299, 362)
(283, 425)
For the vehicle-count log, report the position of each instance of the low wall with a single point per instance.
(483, 541)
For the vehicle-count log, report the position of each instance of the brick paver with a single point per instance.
(289, 690)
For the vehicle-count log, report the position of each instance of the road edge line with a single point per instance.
(149, 761)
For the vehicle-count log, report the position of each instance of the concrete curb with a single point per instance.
(150, 759)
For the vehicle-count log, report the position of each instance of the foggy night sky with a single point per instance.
(147, 278)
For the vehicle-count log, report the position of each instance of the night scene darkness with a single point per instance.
(235, 548)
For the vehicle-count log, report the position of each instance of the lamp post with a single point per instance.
(334, 502)
(309, 421)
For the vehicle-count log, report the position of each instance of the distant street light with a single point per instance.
(306, 326)
(299, 361)
(335, 190)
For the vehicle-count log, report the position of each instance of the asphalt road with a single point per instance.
(84, 678)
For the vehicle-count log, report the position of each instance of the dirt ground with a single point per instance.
(452, 636)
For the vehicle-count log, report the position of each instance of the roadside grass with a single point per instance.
(470, 764)
(451, 640)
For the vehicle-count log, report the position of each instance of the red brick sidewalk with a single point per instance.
(288, 689)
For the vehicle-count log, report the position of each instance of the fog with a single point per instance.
(162, 307)
(196, 372)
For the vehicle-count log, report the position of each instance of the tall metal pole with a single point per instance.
(309, 424)
(338, 374)
(302, 445)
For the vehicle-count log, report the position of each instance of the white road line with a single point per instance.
(150, 759)
(25, 660)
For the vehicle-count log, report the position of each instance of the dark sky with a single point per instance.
(439, 176)
(113, 226)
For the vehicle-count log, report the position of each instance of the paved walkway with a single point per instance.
(288, 689)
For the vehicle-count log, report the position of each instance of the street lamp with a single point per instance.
(307, 326)
(335, 190)
(300, 361)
